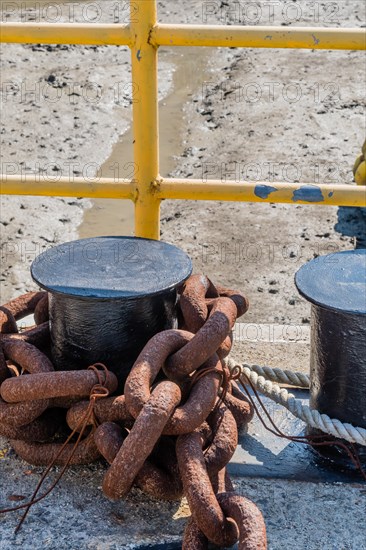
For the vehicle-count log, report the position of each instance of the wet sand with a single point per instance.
(115, 217)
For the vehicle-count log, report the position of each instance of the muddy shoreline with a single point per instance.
(250, 114)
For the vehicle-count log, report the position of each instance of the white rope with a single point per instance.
(264, 380)
(281, 376)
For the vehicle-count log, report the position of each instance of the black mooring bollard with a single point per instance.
(108, 297)
(336, 286)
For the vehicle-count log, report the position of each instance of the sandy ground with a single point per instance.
(62, 118)
(265, 115)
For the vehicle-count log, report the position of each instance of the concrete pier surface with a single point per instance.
(76, 516)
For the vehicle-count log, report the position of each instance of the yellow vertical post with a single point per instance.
(145, 118)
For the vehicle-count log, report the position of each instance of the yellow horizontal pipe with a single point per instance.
(294, 193)
(187, 189)
(319, 38)
(187, 35)
(66, 33)
(103, 188)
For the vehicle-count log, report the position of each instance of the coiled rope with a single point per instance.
(266, 380)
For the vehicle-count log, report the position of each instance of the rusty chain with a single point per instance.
(171, 434)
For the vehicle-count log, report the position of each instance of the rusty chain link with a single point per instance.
(171, 434)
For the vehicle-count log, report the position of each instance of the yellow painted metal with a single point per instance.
(185, 189)
(66, 33)
(106, 188)
(144, 35)
(295, 193)
(319, 38)
(187, 35)
(144, 58)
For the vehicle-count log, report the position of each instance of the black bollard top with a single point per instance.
(336, 281)
(111, 267)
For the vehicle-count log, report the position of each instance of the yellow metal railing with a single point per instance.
(144, 36)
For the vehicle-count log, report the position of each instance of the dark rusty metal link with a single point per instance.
(110, 409)
(225, 348)
(221, 482)
(15, 415)
(63, 402)
(33, 361)
(38, 336)
(141, 440)
(54, 384)
(164, 457)
(192, 301)
(133, 431)
(41, 429)
(148, 364)
(193, 538)
(8, 323)
(206, 433)
(201, 400)
(198, 297)
(205, 342)
(42, 454)
(225, 439)
(241, 301)
(239, 405)
(41, 314)
(150, 479)
(27, 356)
(17, 309)
(108, 438)
(4, 371)
(249, 519)
(158, 483)
(200, 495)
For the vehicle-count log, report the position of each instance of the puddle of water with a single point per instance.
(113, 216)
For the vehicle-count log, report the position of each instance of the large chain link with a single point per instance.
(173, 431)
